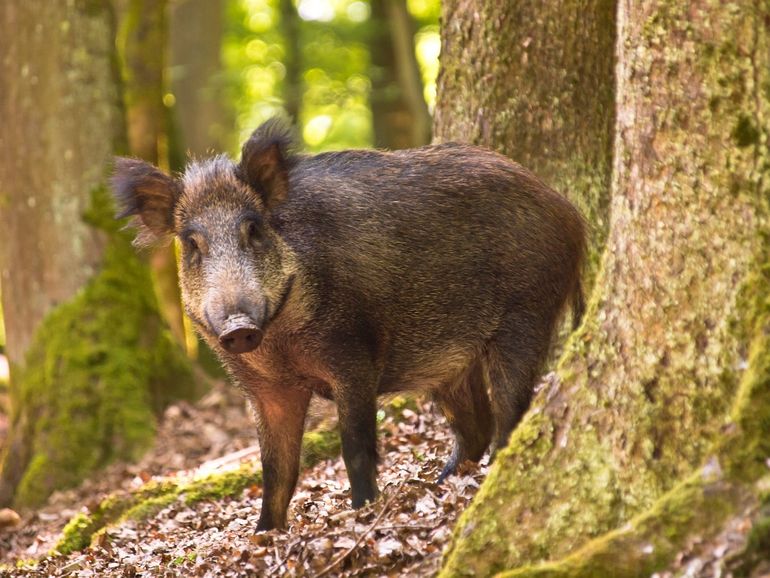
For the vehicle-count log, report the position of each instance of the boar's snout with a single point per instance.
(240, 334)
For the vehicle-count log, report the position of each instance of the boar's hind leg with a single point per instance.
(512, 366)
(281, 419)
(465, 404)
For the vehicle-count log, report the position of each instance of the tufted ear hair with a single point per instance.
(265, 161)
(147, 194)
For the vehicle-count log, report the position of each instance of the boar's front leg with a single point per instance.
(281, 419)
(357, 409)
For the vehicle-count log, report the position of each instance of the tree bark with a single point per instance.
(653, 431)
(91, 360)
(534, 80)
(400, 116)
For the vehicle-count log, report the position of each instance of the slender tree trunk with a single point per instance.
(196, 41)
(399, 114)
(144, 39)
(292, 82)
(534, 80)
(671, 369)
(90, 359)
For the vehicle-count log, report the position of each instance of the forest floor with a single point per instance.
(402, 534)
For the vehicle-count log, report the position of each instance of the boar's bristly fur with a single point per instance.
(443, 269)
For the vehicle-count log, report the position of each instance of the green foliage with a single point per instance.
(252, 53)
(335, 111)
(334, 63)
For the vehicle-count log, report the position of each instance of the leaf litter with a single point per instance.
(402, 534)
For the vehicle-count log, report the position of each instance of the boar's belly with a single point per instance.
(426, 373)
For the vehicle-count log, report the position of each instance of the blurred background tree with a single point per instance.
(330, 64)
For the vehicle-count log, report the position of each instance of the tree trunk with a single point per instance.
(196, 28)
(90, 359)
(671, 369)
(144, 28)
(292, 81)
(400, 116)
(535, 81)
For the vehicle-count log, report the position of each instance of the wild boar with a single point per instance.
(351, 274)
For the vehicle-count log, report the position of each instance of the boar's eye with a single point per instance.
(251, 232)
(192, 250)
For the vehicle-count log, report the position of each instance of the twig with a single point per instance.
(410, 527)
(215, 464)
(365, 533)
(285, 558)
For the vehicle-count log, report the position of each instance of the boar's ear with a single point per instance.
(265, 161)
(149, 195)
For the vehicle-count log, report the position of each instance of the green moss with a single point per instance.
(745, 133)
(98, 371)
(318, 446)
(746, 452)
(76, 535)
(189, 557)
(156, 495)
(647, 543)
(78, 532)
(701, 504)
(24, 563)
(218, 486)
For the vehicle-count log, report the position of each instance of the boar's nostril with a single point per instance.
(240, 335)
(241, 340)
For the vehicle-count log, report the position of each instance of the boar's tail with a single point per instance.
(578, 305)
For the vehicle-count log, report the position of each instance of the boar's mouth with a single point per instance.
(242, 334)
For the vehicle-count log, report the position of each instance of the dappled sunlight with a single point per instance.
(334, 79)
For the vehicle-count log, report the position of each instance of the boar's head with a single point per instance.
(236, 272)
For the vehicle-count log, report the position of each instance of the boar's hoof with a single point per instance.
(240, 339)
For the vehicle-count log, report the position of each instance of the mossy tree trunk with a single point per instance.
(400, 115)
(534, 81)
(671, 368)
(143, 35)
(91, 361)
